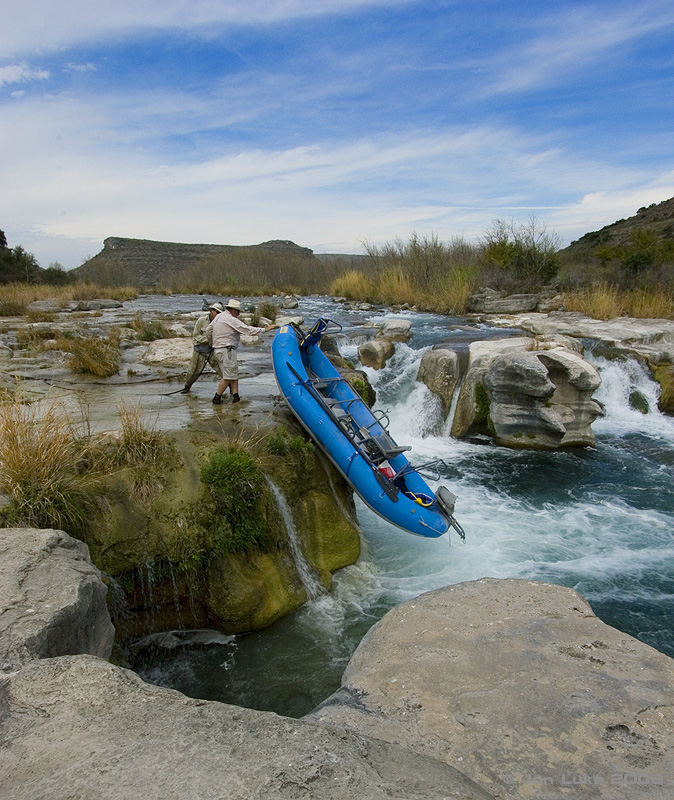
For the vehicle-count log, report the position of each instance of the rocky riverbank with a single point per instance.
(495, 688)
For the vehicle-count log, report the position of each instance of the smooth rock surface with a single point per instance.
(439, 370)
(376, 352)
(512, 681)
(652, 339)
(397, 330)
(78, 727)
(52, 599)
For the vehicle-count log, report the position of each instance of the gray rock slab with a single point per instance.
(520, 686)
(78, 727)
(52, 598)
(652, 339)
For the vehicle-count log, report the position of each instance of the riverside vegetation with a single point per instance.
(626, 269)
(191, 516)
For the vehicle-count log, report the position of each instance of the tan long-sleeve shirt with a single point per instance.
(226, 329)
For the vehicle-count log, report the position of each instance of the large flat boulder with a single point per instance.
(520, 686)
(52, 598)
(78, 727)
(651, 339)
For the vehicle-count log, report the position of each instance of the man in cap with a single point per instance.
(224, 334)
(203, 352)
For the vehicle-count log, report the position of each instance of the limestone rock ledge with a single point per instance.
(80, 727)
(520, 686)
(52, 599)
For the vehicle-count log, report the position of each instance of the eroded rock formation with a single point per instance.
(525, 392)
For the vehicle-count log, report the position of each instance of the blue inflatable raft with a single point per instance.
(354, 438)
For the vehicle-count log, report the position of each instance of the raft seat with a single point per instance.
(380, 447)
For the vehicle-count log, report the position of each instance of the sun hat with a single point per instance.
(216, 307)
(233, 304)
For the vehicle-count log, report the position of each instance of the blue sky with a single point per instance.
(328, 122)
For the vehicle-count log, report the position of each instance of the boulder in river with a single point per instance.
(520, 686)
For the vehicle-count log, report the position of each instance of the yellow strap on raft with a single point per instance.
(420, 498)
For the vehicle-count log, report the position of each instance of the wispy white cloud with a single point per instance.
(35, 25)
(78, 181)
(21, 73)
(565, 43)
(88, 67)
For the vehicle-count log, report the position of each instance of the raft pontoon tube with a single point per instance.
(354, 438)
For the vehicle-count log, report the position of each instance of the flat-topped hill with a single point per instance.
(143, 262)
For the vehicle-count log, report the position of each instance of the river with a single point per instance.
(600, 520)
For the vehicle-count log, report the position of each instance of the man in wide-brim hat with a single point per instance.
(224, 334)
(202, 352)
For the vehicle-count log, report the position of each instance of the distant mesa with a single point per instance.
(144, 262)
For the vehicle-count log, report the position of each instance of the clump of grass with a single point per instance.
(280, 443)
(142, 449)
(267, 310)
(12, 308)
(235, 501)
(600, 302)
(139, 444)
(94, 355)
(608, 302)
(149, 331)
(28, 337)
(46, 468)
(40, 316)
(353, 285)
(394, 286)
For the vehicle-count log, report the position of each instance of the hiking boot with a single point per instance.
(185, 390)
(235, 398)
(217, 399)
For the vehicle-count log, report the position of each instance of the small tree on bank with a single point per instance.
(520, 256)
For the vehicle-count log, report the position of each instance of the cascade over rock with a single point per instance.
(651, 341)
(542, 398)
(376, 352)
(439, 370)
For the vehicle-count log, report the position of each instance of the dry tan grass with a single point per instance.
(143, 450)
(46, 467)
(608, 302)
(16, 297)
(94, 355)
(394, 286)
(353, 285)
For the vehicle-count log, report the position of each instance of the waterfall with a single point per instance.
(313, 587)
(623, 381)
(449, 422)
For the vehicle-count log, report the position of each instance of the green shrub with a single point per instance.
(267, 310)
(236, 501)
(520, 256)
